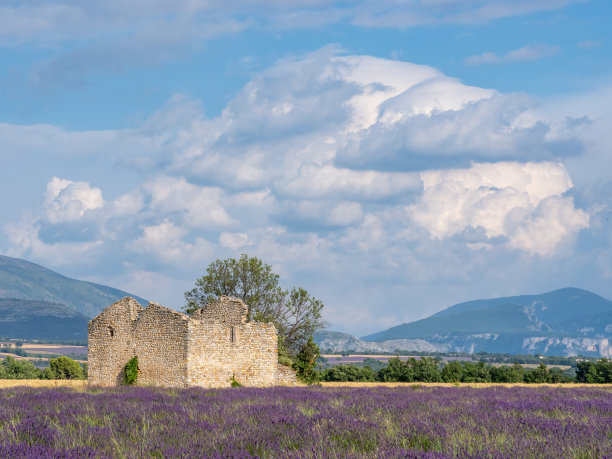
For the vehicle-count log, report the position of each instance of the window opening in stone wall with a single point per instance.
(234, 334)
(111, 331)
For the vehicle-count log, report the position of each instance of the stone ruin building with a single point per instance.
(208, 348)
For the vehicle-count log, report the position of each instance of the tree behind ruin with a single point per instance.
(295, 313)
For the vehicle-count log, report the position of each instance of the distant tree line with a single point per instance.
(59, 368)
(482, 356)
(428, 369)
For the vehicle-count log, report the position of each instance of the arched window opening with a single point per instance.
(111, 331)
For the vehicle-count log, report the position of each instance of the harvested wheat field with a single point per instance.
(79, 384)
(82, 384)
(441, 384)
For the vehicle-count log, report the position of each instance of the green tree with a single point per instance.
(427, 369)
(374, 364)
(475, 372)
(586, 372)
(538, 375)
(507, 374)
(65, 368)
(12, 368)
(452, 372)
(306, 362)
(295, 313)
(348, 373)
(397, 371)
(247, 278)
(557, 375)
(604, 371)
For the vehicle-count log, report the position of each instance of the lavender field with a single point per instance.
(415, 421)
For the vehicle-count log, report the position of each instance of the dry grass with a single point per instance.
(75, 384)
(424, 384)
(82, 384)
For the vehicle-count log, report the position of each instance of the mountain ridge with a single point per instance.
(31, 319)
(21, 279)
(566, 321)
(38, 303)
(523, 313)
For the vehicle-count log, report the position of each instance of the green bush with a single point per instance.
(604, 371)
(348, 373)
(64, 368)
(475, 372)
(452, 372)
(130, 372)
(11, 368)
(306, 361)
(507, 374)
(427, 369)
(284, 357)
(538, 375)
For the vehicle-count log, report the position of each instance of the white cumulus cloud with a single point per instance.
(67, 201)
(233, 241)
(197, 206)
(522, 203)
(165, 241)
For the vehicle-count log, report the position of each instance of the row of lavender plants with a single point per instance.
(428, 369)
(307, 422)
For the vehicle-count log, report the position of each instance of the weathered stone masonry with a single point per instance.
(207, 349)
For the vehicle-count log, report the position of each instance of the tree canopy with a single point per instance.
(64, 368)
(295, 313)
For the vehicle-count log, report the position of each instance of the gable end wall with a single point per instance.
(218, 351)
(161, 347)
(106, 354)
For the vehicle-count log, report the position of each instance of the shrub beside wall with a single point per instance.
(130, 372)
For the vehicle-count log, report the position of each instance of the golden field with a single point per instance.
(440, 384)
(79, 384)
(82, 384)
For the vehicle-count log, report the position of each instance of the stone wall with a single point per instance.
(286, 376)
(225, 309)
(217, 352)
(206, 349)
(161, 347)
(110, 343)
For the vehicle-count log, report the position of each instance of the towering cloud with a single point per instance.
(522, 203)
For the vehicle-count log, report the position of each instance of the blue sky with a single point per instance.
(393, 158)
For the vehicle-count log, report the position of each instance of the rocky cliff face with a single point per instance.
(567, 346)
(342, 342)
(482, 342)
